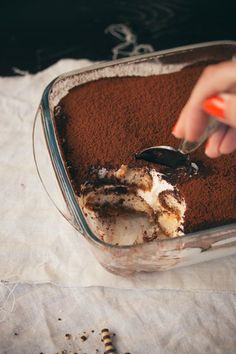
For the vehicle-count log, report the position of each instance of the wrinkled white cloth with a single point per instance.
(37, 244)
(145, 321)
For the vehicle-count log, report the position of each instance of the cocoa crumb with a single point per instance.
(83, 338)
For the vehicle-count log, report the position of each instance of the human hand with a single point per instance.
(193, 118)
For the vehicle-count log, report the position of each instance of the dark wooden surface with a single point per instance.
(35, 34)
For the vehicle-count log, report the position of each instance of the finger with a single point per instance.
(212, 148)
(228, 143)
(195, 126)
(215, 79)
(179, 127)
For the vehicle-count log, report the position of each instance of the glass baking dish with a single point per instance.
(152, 256)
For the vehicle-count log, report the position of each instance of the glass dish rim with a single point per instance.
(59, 167)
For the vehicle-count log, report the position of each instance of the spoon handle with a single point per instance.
(215, 106)
(186, 147)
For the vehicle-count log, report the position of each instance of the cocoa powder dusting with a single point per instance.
(105, 122)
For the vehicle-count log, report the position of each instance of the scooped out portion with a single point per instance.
(132, 205)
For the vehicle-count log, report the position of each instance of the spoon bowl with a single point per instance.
(174, 158)
(164, 155)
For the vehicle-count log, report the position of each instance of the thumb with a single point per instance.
(222, 107)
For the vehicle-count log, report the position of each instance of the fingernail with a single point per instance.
(215, 106)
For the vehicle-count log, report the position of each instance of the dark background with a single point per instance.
(35, 34)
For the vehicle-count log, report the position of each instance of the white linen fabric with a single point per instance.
(144, 321)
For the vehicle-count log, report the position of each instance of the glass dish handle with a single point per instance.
(46, 171)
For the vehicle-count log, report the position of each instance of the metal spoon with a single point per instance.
(171, 157)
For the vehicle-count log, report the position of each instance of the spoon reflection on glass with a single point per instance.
(171, 157)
